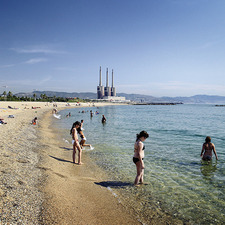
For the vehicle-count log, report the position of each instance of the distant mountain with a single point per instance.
(196, 99)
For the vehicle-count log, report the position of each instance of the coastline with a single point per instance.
(71, 193)
(37, 185)
(40, 185)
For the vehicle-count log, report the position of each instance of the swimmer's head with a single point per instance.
(208, 139)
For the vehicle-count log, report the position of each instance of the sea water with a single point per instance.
(177, 180)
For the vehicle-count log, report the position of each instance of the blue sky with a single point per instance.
(155, 47)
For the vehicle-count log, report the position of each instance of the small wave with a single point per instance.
(57, 116)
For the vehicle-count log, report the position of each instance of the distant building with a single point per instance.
(107, 93)
(107, 90)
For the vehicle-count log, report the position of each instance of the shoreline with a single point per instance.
(26, 191)
(44, 187)
(72, 195)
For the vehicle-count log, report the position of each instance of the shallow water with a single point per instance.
(179, 183)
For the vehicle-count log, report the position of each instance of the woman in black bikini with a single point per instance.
(139, 156)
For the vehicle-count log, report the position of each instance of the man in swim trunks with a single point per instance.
(207, 149)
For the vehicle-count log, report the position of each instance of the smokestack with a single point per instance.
(107, 78)
(100, 77)
(112, 79)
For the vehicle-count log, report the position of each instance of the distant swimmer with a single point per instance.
(138, 157)
(68, 115)
(103, 119)
(75, 142)
(207, 149)
(91, 113)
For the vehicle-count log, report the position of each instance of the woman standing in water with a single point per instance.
(75, 142)
(139, 156)
(207, 149)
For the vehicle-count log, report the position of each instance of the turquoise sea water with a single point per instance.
(179, 183)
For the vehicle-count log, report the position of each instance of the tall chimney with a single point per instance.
(100, 77)
(112, 79)
(107, 78)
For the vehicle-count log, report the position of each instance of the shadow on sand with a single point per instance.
(68, 149)
(62, 160)
(114, 184)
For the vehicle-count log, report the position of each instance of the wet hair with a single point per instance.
(142, 134)
(74, 125)
(82, 121)
(207, 139)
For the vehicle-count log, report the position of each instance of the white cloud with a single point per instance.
(37, 49)
(36, 60)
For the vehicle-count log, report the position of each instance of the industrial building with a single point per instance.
(107, 92)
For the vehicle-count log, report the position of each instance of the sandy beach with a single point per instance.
(39, 183)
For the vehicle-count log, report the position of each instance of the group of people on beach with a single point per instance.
(138, 157)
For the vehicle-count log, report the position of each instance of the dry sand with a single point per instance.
(39, 183)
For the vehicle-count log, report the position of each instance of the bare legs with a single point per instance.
(140, 174)
(82, 144)
(76, 146)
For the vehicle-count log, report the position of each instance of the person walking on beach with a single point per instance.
(139, 156)
(76, 145)
(207, 149)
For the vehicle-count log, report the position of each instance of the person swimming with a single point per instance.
(207, 149)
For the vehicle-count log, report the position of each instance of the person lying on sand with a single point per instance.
(2, 121)
(34, 121)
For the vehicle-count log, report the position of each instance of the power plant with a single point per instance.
(107, 91)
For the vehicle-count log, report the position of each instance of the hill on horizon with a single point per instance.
(196, 99)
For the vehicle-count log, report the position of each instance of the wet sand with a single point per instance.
(72, 195)
(41, 185)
